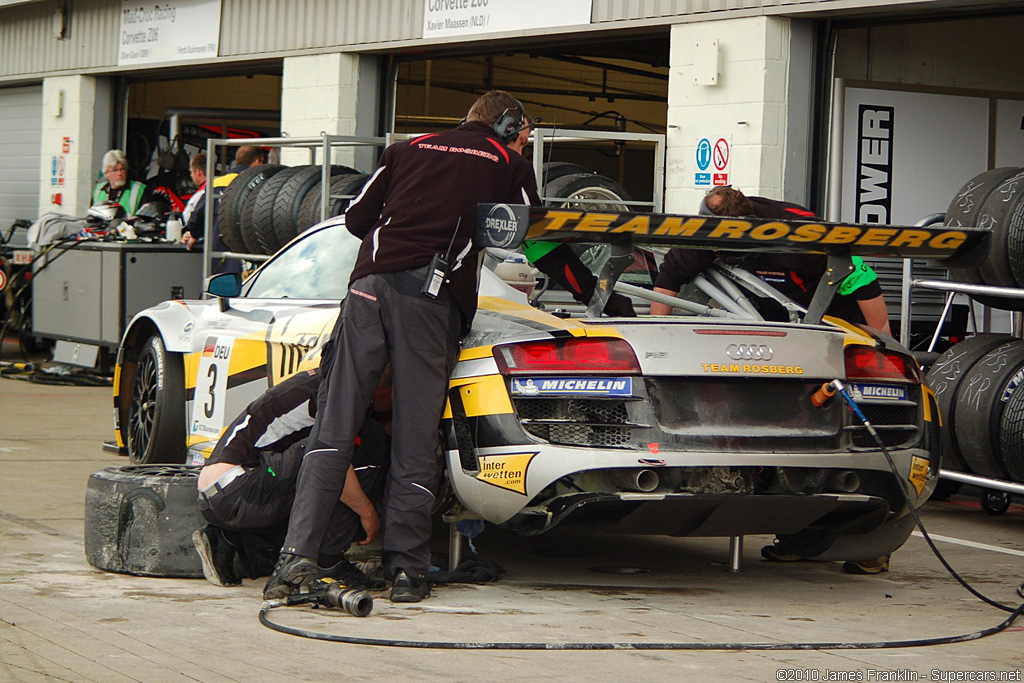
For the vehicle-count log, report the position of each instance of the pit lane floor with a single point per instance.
(63, 620)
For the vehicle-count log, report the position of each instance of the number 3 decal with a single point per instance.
(208, 407)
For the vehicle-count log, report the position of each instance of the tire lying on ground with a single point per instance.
(285, 213)
(981, 402)
(945, 377)
(139, 520)
(259, 232)
(235, 196)
(343, 189)
(595, 191)
(887, 538)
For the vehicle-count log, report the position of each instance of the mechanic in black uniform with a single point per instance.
(247, 486)
(417, 210)
(859, 299)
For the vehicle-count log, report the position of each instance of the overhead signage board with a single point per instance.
(170, 31)
(448, 18)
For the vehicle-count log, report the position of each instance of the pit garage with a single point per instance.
(796, 132)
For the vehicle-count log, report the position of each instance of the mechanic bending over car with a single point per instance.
(247, 486)
(412, 296)
(858, 300)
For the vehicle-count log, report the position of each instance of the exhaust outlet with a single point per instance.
(846, 481)
(642, 480)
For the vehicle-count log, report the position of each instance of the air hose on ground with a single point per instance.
(840, 388)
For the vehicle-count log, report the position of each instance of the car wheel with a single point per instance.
(995, 503)
(859, 547)
(981, 403)
(156, 414)
(235, 197)
(140, 519)
(966, 208)
(944, 378)
(586, 191)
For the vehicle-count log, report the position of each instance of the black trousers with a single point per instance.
(384, 318)
(254, 508)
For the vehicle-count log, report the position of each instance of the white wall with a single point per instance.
(329, 93)
(761, 101)
(70, 106)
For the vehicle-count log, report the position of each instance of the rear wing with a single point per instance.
(506, 226)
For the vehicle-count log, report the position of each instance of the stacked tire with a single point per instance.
(979, 386)
(568, 185)
(993, 200)
(266, 206)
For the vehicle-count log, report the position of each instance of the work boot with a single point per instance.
(879, 565)
(290, 574)
(408, 589)
(780, 551)
(352, 576)
(217, 556)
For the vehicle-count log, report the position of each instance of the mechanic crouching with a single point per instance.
(247, 487)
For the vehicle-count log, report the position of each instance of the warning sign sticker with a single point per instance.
(506, 471)
(918, 473)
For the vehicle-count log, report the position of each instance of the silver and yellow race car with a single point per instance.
(709, 424)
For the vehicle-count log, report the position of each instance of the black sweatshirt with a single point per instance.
(409, 209)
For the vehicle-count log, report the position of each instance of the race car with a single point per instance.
(697, 425)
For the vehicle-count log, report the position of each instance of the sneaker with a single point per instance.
(290, 574)
(879, 565)
(217, 556)
(351, 575)
(408, 589)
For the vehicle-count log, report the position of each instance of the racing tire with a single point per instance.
(1003, 212)
(553, 170)
(139, 520)
(563, 192)
(981, 402)
(236, 195)
(156, 413)
(944, 377)
(1011, 436)
(289, 200)
(343, 188)
(887, 538)
(260, 234)
(966, 209)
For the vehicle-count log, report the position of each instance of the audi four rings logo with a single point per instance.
(749, 352)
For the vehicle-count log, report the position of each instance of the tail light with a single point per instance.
(873, 364)
(578, 354)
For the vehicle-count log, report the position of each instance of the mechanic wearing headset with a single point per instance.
(247, 486)
(412, 295)
(858, 300)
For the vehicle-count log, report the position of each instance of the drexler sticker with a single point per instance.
(506, 471)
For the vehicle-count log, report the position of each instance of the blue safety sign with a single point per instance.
(703, 154)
